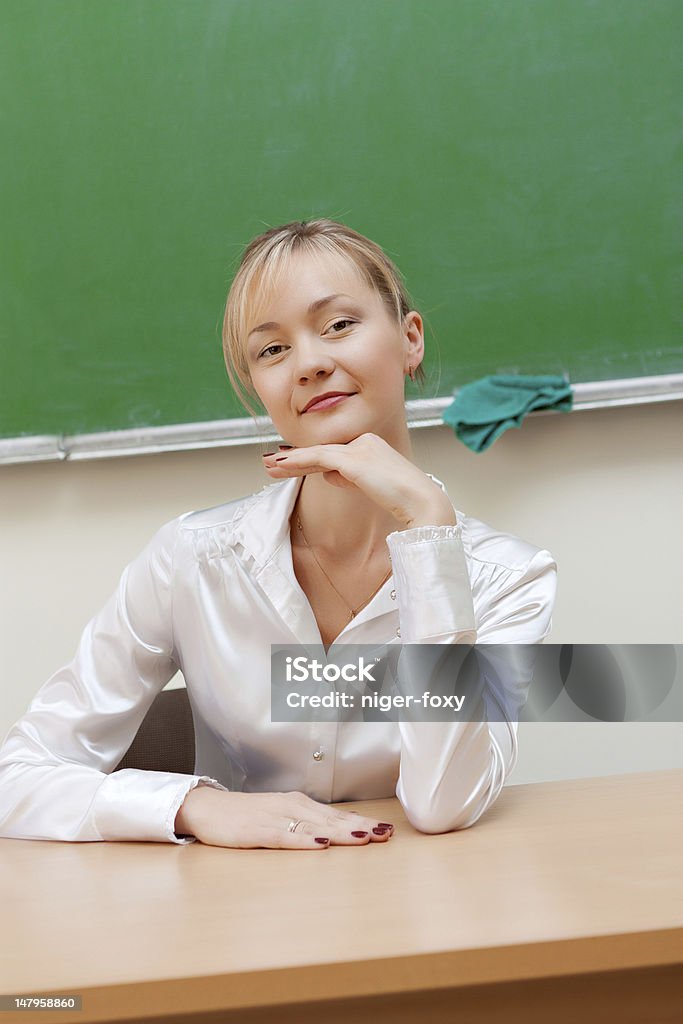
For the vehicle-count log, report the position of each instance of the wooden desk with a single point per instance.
(564, 903)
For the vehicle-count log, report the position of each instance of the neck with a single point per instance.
(343, 524)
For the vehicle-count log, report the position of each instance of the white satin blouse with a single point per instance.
(208, 595)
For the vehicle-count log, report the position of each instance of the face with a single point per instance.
(299, 348)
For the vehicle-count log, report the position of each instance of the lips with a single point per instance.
(322, 401)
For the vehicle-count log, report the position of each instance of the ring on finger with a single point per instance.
(293, 825)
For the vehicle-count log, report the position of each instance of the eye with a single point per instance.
(269, 349)
(336, 322)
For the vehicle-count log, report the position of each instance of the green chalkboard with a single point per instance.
(519, 159)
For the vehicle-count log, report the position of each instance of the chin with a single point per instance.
(327, 437)
(335, 433)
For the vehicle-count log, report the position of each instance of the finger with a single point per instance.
(275, 837)
(359, 832)
(352, 821)
(317, 458)
(337, 822)
(378, 831)
(344, 830)
(331, 476)
(339, 835)
(340, 832)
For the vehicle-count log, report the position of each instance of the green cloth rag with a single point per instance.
(484, 409)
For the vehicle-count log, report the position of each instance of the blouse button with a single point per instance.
(318, 755)
(398, 631)
(392, 595)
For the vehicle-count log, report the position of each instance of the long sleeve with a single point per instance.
(451, 772)
(57, 778)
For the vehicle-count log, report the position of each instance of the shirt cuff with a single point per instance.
(432, 582)
(141, 806)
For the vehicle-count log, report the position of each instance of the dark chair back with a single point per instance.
(165, 740)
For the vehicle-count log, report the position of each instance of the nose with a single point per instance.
(312, 360)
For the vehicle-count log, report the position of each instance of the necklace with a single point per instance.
(353, 612)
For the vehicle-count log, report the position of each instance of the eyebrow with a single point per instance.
(271, 325)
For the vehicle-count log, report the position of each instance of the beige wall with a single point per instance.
(602, 490)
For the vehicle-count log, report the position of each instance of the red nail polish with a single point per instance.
(280, 458)
(384, 824)
(380, 831)
(359, 835)
(318, 839)
(266, 454)
(285, 447)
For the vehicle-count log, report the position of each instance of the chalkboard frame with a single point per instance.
(424, 412)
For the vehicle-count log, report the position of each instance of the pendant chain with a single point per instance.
(353, 611)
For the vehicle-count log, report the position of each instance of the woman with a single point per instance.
(350, 543)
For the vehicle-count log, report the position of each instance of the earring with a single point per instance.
(411, 373)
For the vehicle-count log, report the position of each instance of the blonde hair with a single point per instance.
(262, 265)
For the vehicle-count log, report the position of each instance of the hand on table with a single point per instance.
(250, 820)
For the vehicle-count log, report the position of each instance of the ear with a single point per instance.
(413, 334)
